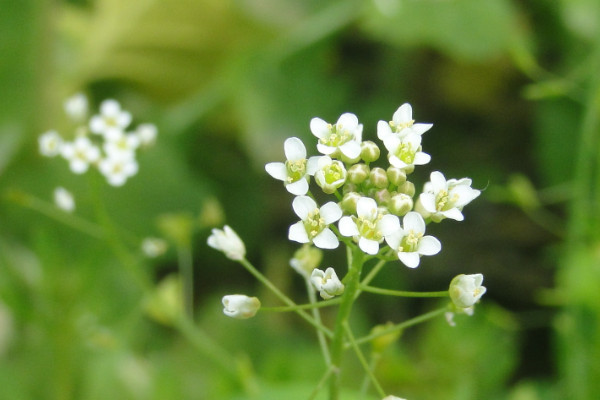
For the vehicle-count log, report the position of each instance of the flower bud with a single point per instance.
(349, 202)
(228, 242)
(378, 178)
(358, 173)
(165, 303)
(381, 196)
(153, 247)
(466, 290)
(240, 306)
(396, 176)
(407, 188)
(327, 283)
(400, 204)
(369, 151)
(380, 343)
(306, 259)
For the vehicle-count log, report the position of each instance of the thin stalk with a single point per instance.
(402, 293)
(312, 297)
(265, 281)
(321, 383)
(310, 306)
(363, 361)
(186, 271)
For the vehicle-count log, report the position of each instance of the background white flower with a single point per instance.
(327, 283)
(445, 199)
(80, 154)
(370, 226)
(50, 143)
(228, 242)
(111, 121)
(76, 107)
(405, 151)
(402, 124)
(466, 290)
(295, 171)
(121, 145)
(345, 135)
(118, 168)
(409, 242)
(153, 247)
(314, 224)
(146, 134)
(64, 199)
(240, 306)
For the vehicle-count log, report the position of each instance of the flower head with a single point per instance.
(121, 145)
(295, 171)
(111, 121)
(153, 247)
(410, 243)
(117, 168)
(405, 152)
(330, 174)
(64, 199)
(466, 290)
(401, 124)
(240, 306)
(345, 136)
(76, 107)
(228, 242)
(445, 199)
(327, 283)
(314, 224)
(146, 134)
(370, 226)
(50, 143)
(80, 154)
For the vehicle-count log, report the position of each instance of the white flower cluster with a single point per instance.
(103, 141)
(375, 204)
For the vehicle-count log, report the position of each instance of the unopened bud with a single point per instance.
(407, 188)
(305, 259)
(396, 176)
(358, 173)
(400, 204)
(382, 342)
(369, 151)
(379, 178)
(381, 196)
(349, 202)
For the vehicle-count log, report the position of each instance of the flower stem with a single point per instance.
(312, 297)
(309, 306)
(402, 293)
(363, 361)
(186, 271)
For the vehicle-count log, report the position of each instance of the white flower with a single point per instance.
(314, 223)
(409, 242)
(64, 199)
(466, 290)
(294, 173)
(80, 154)
(76, 107)
(228, 242)
(146, 134)
(405, 151)
(330, 174)
(153, 247)
(111, 121)
(240, 306)
(445, 199)
(401, 124)
(345, 135)
(118, 168)
(370, 226)
(327, 283)
(50, 143)
(393, 398)
(121, 145)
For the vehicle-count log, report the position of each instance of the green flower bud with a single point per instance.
(396, 176)
(400, 204)
(380, 343)
(407, 188)
(381, 196)
(349, 187)
(349, 202)
(358, 173)
(379, 178)
(305, 259)
(369, 151)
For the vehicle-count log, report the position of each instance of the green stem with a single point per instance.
(402, 293)
(321, 383)
(310, 306)
(265, 281)
(363, 361)
(355, 262)
(312, 297)
(186, 270)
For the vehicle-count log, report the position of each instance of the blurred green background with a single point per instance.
(513, 90)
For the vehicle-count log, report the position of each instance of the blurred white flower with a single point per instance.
(121, 145)
(345, 136)
(146, 134)
(393, 398)
(50, 143)
(118, 168)
(466, 290)
(228, 242)
(76, 107)
(64, 199)
(111, 121)
(295, 171)
(80, 154)
(314, 224)
(445, 199)
(153, 247)
(401, 124)
(327, 283)
(240, 306)
(405, 151)
(370, 226)
(409, 242)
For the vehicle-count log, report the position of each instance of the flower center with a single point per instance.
(406, 153)
(367, 228)
(111, 122)
(444, 201)
(295, 170)
(410, 242)
(333, 173)
(402, 125)
(314, 223)
(337, 136)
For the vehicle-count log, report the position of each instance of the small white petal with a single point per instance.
(312, 165)
(413, 221)
(303, 205)
(110, 107)
(420, 129)
(388, 224)
(319, 128)
(428, 202)
(277, 170)
(368, 246)
(294, 149)
(298, 188)
(438, 181)
(323, 149)
(348, 120)
(429, 246)
(326, 239)
(351, 149)
(403, 114)
(411, 260)
(421, 158)
(393, 240)
(331, 212)
(454, 214)
(348, 227)
(297, 233)
(366, 207)
(383, 130)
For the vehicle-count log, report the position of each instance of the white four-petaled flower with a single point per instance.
(330, 174)
(405, 151)
(370, 226)
(409, 242)
(50, 143)
(345, 136)
(314, 224)
(240, 306)
(295, 171)
(401, 124)
(445, 199)
(466, 290)
(111, 121)
(227, 241)
(117, 168)
(80, 154)
(327, 283)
